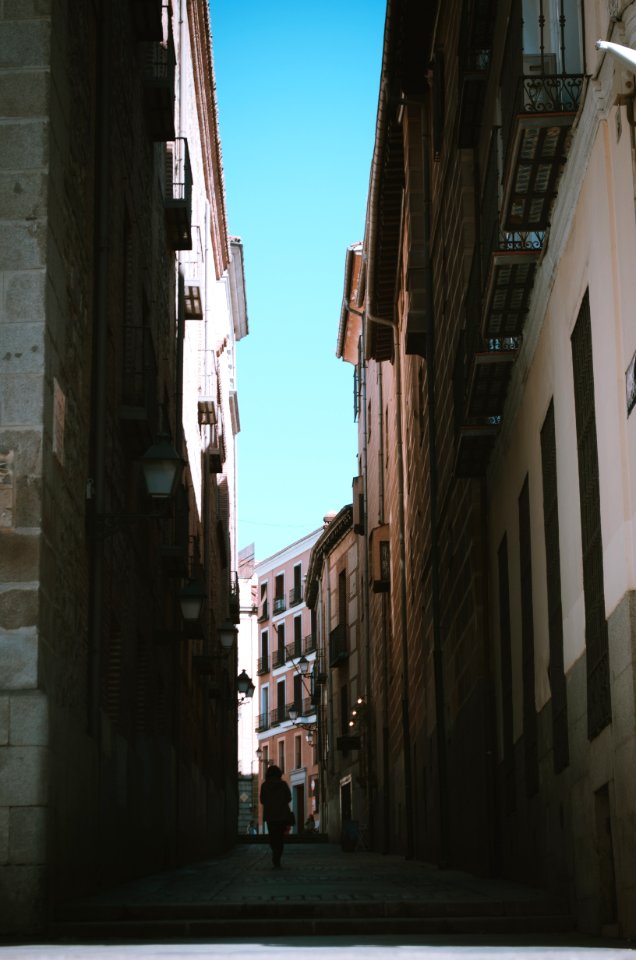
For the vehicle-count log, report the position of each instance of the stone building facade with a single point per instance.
(121, 301)
(489, 322)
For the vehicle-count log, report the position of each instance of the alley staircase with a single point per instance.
(319, 891)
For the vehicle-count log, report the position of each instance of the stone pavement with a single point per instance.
(319, 890)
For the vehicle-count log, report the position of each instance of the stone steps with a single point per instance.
(149, 922)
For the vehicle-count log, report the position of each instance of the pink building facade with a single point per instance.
(287, 720)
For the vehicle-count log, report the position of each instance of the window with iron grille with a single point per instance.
(531, 759)
(506, 678)
(599, 711)
(558, 689)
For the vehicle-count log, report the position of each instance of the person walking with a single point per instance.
(275, 797)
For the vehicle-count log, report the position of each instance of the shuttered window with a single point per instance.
(531, 762)
(599, 712)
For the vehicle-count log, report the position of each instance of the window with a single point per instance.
(297, 753)
(505, 653)
(278, 656)
(263, 660)
(298, 636)
(298, 693)
(599, 711)
(531, 758)
(342, 598)
(297, 590)
(556, 673)
(280, 702)
(279, 593)
(281, 755)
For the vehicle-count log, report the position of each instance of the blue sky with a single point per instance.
(297, 89)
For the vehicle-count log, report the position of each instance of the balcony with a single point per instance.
(338, 646)
(308, 707)
(540, 96)
(262, 666)
(278, 658)
(263, 612)
(178, 195)
(278, 715)
(544, 112)
(262, 723)
(279, 605)
(158, 78)
(295, 596)
(293, 650)
(513, 263)
(309, 644)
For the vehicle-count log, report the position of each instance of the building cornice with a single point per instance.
(205, 92)
(333, 534)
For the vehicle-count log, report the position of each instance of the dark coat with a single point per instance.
(275, 797)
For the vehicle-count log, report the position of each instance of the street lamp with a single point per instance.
(245, 685)
(227, 634)
(161, 465)
(191, 599)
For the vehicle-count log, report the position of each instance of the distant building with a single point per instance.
(287, 721)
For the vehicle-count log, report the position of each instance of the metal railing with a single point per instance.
(295, 596)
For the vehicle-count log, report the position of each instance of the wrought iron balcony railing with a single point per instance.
(159, 66)
(294, 650)
(263, 612)
(262, 723)
(279, 604)
(178, 194)
(295, 596)
(278, 657)
(278, 715)
(262, 666)
(309, 643)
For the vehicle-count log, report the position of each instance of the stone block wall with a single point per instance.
(25, 31)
